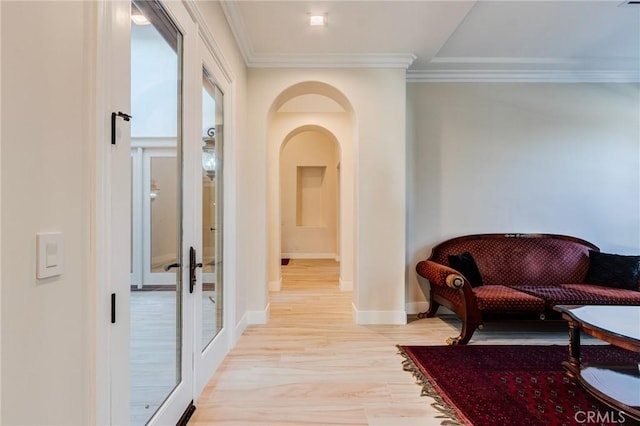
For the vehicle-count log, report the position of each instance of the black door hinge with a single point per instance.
(114, 115)
(113, 308)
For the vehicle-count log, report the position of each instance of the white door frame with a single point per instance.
(148, 276)
(141, 151)
(111, 213)
(208, 360)
(137, 237)
(110, 265)
(110, 252)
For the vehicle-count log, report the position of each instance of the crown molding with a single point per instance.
(402, 60)
(238, 30)
(522, 76)
(255, 60)
(209, 40)
(453, 74)
(504, 60)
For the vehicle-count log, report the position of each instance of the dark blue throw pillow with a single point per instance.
(613, 270)
(466, 265)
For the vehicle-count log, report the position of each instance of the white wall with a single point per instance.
(378, 100)
(309, 148)
(46, 134)
(506, 157)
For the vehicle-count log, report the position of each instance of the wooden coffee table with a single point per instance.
(617, 386)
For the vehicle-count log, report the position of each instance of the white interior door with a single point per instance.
(212, 335)
(161, 320)
(113, 213)
(171, 331)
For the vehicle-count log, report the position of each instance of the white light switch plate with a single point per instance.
(50, 251)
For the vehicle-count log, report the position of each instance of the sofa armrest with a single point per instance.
(440, 275)
(454, 281)
(451, 289)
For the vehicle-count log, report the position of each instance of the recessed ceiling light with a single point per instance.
(318, 20)
(140, 19)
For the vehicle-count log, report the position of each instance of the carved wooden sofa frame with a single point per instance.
(447, 287)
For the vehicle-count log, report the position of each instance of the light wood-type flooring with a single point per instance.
(311, 365)
(153, 347)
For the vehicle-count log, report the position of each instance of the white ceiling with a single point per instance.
(447, 40)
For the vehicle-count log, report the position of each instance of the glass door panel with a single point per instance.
(212, 285)
(159, 185)
(156, 132)
(163, 250)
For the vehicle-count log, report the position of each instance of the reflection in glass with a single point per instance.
(163, 212)
(156, 326)
(212, 287)
(131, 231)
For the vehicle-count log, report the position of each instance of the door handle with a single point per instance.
(192, 268)
(171, 266)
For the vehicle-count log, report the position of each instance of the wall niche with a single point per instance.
(309, 196)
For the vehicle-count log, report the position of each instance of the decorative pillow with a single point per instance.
(613, 270)
(466, 265)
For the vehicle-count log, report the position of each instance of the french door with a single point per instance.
(166, 207)
(161, 335)
(212, 335)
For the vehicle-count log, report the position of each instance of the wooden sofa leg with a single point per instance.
(433, 308)
(431, 312)
(465, 334)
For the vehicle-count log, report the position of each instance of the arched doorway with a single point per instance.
(309, 190)
(320, 109)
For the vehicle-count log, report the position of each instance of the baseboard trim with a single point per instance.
(258, 317)
(241, 326)
(346, 285)
(308, 255)
(275, 285)
(379, 317)
(416, 307)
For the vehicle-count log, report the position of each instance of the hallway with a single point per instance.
(312, 365)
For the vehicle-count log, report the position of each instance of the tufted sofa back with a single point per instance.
(516, 259)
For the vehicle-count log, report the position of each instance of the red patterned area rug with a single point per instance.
(511, 385)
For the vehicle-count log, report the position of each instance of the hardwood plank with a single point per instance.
(312, 365)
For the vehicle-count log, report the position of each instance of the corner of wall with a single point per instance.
(379, 317)
(241, 326)
(275, 285)
(346, 285)
(258, 317)
(413, 308)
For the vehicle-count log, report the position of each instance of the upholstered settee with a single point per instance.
(481, 276)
